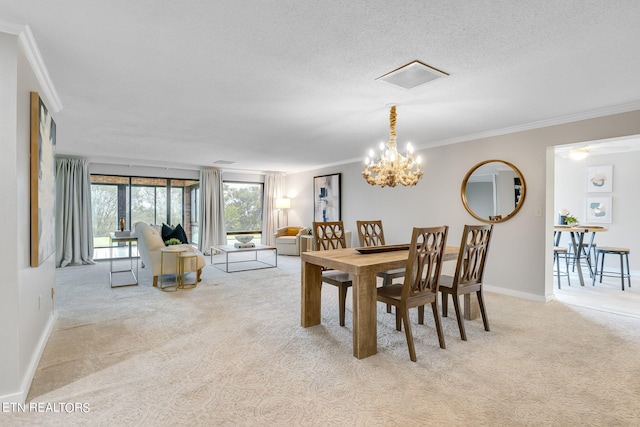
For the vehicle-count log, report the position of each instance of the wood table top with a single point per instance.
(351, 261)
(580, 228)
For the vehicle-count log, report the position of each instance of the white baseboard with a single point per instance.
(517, 294)
(20, 396)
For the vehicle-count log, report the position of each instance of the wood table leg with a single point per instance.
(471, 307)
(311, 280)
(365, 326)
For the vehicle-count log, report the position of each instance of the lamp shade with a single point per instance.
(283, 203)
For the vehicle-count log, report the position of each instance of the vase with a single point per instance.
(121, 223)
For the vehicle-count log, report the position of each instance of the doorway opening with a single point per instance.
(596, 182)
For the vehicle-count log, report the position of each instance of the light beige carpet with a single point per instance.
(232, 352)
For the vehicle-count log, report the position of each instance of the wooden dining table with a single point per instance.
(577, 239)
(363, 269)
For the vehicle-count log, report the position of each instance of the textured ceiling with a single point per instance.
(291, 85)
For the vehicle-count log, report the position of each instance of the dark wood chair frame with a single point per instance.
(421, 282)
(331, 235)
(469, 273)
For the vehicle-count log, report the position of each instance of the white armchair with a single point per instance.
(288, 240)
(150, 244)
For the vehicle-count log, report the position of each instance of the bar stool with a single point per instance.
(624, 256)
(561, 252)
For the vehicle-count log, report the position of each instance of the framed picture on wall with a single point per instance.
(326, 198)
(600, 179)
(43, 181)
(599, 209)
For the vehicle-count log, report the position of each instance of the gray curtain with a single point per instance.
(273, 189)
(74, 229)
(212, 227)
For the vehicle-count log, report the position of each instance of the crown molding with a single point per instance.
(593, 114)
(30, 48)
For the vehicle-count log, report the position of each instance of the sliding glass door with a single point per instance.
(139, 199)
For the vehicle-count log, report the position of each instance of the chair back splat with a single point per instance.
(329, 235)
(425, 262)
(473, 254)
(370, 233)
(469, 274)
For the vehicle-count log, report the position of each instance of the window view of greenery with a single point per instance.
(137, 199)
(243, 208)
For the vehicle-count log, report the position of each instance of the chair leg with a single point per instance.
(456, 305)
(342, 303)
(628, 271)
(386, 282)
(407, 331)
(556, 259)
(601, 267)
(445, 304)
(436, 318)
(566, 261)
(595, 271)
(621, 272)
(421, 315)
(398, 319)
(483, 312)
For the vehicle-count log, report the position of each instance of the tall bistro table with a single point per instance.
(363, 269)
(577, 240)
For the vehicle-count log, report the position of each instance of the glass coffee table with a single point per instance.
(243, 259)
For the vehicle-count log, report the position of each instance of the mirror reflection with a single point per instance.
(493, 191)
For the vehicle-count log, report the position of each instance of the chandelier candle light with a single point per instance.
(392, 168)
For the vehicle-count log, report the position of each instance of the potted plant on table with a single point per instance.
(571, 220)
(565, 218)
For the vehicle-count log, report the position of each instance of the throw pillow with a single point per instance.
(178, 232)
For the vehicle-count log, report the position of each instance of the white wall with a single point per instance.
(9, 314)
(26, 306)
(519, 262)
(571, 193)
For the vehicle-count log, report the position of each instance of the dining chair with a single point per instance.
(469, 273)
(331, 235)
(371, 233)
(421, 282)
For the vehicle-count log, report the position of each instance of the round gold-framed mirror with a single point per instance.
(493, 191)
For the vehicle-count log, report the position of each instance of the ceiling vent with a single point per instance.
(412, 74)
(223, 162)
